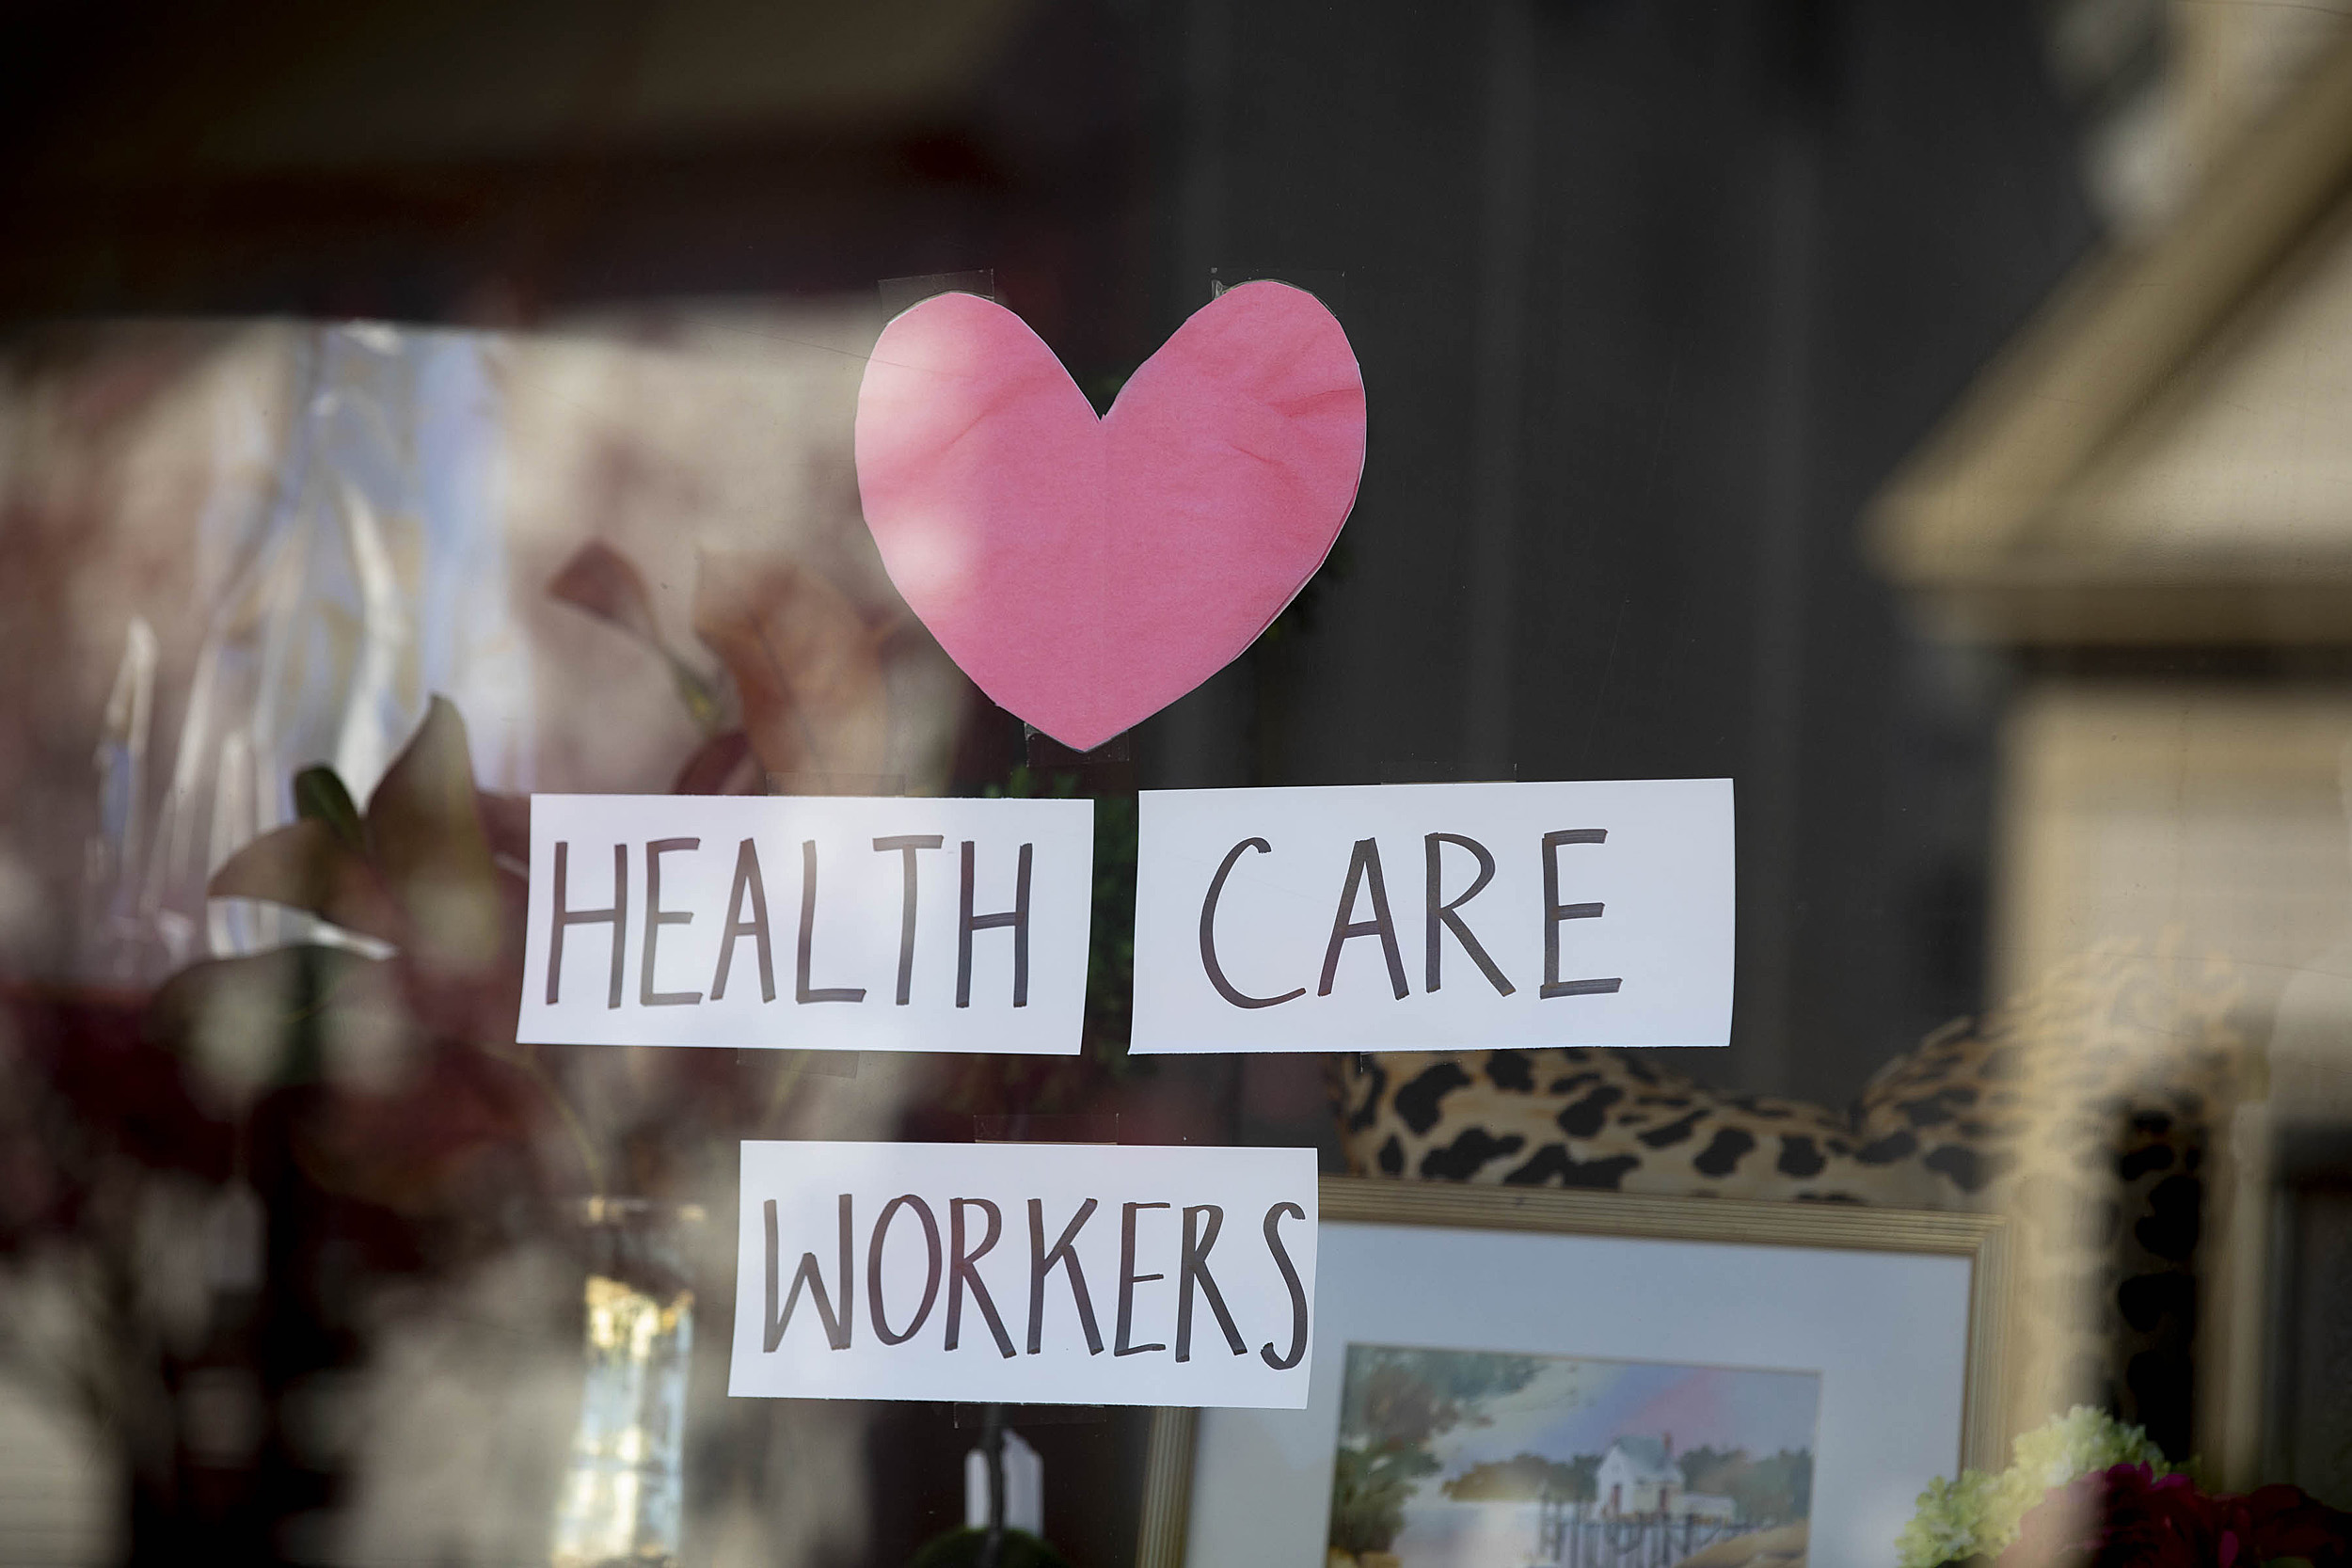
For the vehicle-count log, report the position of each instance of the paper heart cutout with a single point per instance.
(1085, 573)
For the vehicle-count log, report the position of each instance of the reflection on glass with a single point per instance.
(624, 1491)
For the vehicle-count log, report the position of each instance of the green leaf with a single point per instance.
(319, 796)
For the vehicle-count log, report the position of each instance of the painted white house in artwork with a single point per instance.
(1640, 1476)
(1637, 1476)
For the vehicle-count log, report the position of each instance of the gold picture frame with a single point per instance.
(1983, 1239)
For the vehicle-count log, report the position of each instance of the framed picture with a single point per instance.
(1506, 1377)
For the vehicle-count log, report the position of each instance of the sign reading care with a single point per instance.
(1434, 917)
(827, 924)
(1026, 1273)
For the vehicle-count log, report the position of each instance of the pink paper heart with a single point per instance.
(1085, 573)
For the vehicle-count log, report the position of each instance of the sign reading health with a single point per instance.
(796, 920)
(1434, 917)
(1039, 1273)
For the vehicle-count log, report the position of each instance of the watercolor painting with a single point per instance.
(1474, 1459)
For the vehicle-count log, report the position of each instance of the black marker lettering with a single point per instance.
(837, 1326)
(566, 918)
(747, 884)
(961, 1271)
(1444, 917)
(1017, 917)
(1225, 988)
(907, 843)
(1129, 1279)
(1290, 1279)
(874, 1267)
(1194, 1269)
(656, 917)
(1042, 1262)
(800, 988)
(1363, 864)
(1555, 912)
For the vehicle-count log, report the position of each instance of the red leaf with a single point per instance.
(605, 583)
(806, 666)
(306, 866)
(724, 764)
(425, 840)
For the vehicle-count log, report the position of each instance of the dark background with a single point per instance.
(1649, 299)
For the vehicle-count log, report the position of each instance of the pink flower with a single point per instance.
(2129, 1516)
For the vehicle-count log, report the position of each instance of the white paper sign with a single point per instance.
(809, 923)
(1031, 1274)
(1433, 917)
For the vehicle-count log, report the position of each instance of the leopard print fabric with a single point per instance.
(1609, 1120)
(2083, 1111)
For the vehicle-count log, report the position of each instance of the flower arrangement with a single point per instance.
(1979, 1513)
(2085, 1488)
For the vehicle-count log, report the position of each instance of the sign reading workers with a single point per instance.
(1033, 1274)
(806, 922)
(1434, 917)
